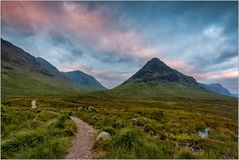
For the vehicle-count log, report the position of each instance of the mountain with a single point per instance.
(24, 74)
(155, 71)
(156, 79)
(47, 68)
(216, 88)
(84, 80)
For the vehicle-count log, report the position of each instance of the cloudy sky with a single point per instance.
(112, 40)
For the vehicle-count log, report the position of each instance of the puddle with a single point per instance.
(204, 134)
(34, 104)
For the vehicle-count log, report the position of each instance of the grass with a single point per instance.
(23, 83)
(161, 89)
(166, 128)
(35, 133)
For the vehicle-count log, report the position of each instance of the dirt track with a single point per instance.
(83, 142)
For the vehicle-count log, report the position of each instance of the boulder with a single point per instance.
(135, 121)
(92, 108)
(103, 136)
(34, 104)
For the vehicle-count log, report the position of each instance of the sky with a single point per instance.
(113, 40)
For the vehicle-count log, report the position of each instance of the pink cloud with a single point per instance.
(90, 27)
(176, 64)
(26, 15)
(216, 75)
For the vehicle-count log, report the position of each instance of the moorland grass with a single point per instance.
(28, 133)
(165, 129)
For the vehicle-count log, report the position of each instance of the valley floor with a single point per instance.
(161, 128)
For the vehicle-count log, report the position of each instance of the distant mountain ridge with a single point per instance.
(216, 88)
(84, 80)
(15, 57)
(24, 74)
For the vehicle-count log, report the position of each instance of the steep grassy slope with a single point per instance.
(23, 74)
(18, 83)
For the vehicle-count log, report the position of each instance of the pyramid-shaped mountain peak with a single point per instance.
(155, 60)
(156, 71)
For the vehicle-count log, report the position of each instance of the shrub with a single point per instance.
(22, 140)
(157, 115)
(184, 154)
(118, 124)
(60, 122)
(150, 128)
(127, 138)
(201, 127)
(109, 130)
(68, 132)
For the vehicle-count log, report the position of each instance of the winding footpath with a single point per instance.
(83, 142)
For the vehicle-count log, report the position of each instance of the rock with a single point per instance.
(34, 104)
(103, 136)
(176, 145)
(92, 108)
(135, 121)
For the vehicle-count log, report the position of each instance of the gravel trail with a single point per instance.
(83, 142)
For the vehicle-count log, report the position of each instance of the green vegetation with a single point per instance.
(164, 129)
(38, 133)
(157, 113)
(161, 89)
(15, 83)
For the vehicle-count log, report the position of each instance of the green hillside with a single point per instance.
(156, 79)
(159, 90)
(19, 83)
(23, 74)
